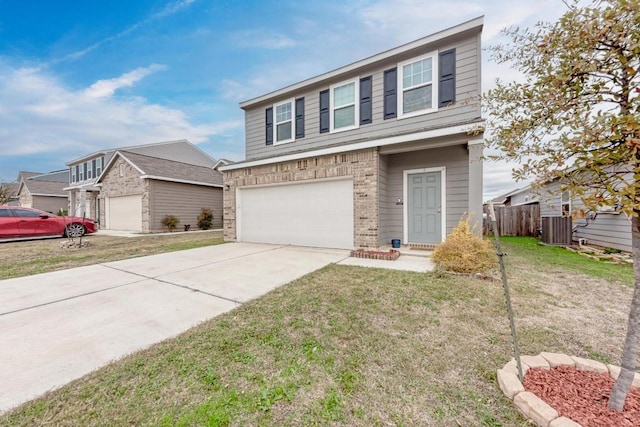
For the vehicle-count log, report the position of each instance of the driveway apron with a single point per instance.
(56, 327)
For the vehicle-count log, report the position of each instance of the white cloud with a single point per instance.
(168, 10)
(104, 88)
(40, 115)
(411, 17)
(261, 39)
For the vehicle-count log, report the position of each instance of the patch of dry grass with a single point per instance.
(464, 251)
(38, 256)
(351, 346)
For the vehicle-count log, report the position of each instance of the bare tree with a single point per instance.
(576, 118)
(6, 193)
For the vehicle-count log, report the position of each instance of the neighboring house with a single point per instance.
(133, 188)
(606, 226)
(376, 150)
(44, 191)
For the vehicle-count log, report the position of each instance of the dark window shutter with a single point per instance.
(84, 170)
(93, 168)
(300, 118)
(390, 93)
(324, 111)
(365, 101)
(269, 126)
(447, 78)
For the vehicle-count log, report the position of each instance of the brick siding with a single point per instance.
(362, 166)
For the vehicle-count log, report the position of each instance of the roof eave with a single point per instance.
(476, 23)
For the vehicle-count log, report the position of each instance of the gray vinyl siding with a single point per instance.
(550, 202)
(454, 159)
(464, 110)
(185, 201)
(523, 197)
(610, 230)
(607, 229)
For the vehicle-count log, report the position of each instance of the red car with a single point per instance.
(17, 222)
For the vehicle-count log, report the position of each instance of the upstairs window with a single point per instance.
(73, 174)
(565, 203)
(284, 129)
(344, 105)
(417, 94)
(90, 169)
(81, 175)
(99, 162)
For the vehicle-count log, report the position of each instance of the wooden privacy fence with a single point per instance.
(521, 220)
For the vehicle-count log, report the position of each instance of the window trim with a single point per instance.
(356, 104)
(291, 102)
(434, 85)
(566, 202)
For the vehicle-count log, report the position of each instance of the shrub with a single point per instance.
(205, 219)
(170, 221)
(465, 252)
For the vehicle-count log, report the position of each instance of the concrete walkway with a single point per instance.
(56, 327)
(59, 326)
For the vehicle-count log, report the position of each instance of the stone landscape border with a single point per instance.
(530, 405)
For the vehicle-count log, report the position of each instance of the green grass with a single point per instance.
(553, 258)
(354, 346)
(41, 256)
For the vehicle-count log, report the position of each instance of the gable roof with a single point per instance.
(179, 150)
(48, 184)
(57, 176)
(44, 188)
(167, 170)
(470, 27)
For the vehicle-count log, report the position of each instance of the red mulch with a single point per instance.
(582, 396)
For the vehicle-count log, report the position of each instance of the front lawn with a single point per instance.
(40, 256)
(358, 347)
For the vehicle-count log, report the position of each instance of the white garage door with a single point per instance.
(318, 214)
(124, 213)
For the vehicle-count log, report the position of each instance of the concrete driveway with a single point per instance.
(56, 327)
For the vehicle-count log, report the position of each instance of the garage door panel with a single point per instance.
(316, 214)
(125, 213)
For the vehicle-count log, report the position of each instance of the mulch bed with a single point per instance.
(582, 396)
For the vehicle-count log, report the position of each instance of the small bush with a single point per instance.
(170, 221)
(465, 252)
(205, 219)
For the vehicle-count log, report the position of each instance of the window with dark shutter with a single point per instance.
(269, 126)
(390, 93)
(300, 118)
(365, 101)
(324, 111)
(447, 78)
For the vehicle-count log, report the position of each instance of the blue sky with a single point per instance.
(79, 76)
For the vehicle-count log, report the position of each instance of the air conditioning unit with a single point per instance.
(557, 230)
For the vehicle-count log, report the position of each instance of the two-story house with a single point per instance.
(133, 188)
(388, 147)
